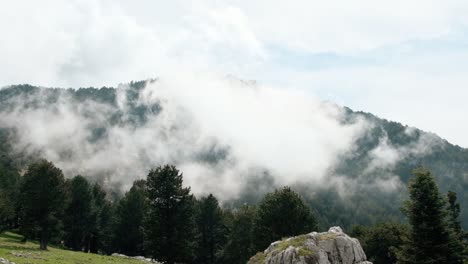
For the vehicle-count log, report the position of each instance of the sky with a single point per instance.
(401, 60)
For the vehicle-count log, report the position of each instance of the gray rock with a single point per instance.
(141, 258)
(332, 247)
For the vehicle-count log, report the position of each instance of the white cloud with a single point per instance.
(293, 136)
(94, 43)
(428, 93)
(350, 26)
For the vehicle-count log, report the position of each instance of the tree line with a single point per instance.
(160, 218)
(433, 233)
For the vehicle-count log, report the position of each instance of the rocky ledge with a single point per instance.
(332, 247)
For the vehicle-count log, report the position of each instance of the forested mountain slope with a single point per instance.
(84, 131)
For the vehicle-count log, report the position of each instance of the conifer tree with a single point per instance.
(130, 213)
(429, 235)
(103, 219)
(381, 241)
(78, 214)
(457, 241)
(211, 230)
(169, 224)
(240, 244)
(9, 185)
(42, 201)
(281, 214)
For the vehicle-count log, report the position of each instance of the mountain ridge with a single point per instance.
(374, 172)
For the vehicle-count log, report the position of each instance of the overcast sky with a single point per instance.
(402, 60)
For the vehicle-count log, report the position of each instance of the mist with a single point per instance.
(222, 132)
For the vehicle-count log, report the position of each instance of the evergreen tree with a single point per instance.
(457, 242)
(169, 223)
(105, 239)
(429, 236)
(211, 230)
(9, 185)
(77, 220)
(103, 219)
(281, 214)
(42, 201)
(240, 245)
(454, 214)
(130, 212)
(381, 241)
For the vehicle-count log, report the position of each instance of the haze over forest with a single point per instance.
(204, 131)
(241, 141)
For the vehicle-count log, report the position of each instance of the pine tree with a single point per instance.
(169, 224)
(103, 219)
(211, 230)
(9, 187)
(457, 241)
(130, 213)
(381, 241)
(240, 245)
(77, 220)
(429, 235)
(281, 214)
(41, 201)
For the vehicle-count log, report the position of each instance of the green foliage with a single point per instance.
(304, 251)
(211, 231)
(381, 241)
(454, 214)
(458, 242)
(78, 214)
(429, 237)
(103, 222)
(282, 214)
(366, 206)
(291, 242)
(131, 209)
(169, 224)
(41, 200)
(298, 242)
(258, 258)
(9, 184)
(240, 244)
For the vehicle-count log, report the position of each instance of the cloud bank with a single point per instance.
(365, 55)
(249, 129)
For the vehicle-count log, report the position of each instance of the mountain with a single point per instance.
(114, 135)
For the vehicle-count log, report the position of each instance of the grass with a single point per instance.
(296, 242)
(29, 253)
(305, 252)
(259, 258)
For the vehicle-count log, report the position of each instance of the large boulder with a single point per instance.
(332, 247)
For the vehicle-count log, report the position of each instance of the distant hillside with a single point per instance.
(366, 186)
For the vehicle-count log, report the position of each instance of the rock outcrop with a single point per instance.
(141, 258)
(332, 247)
